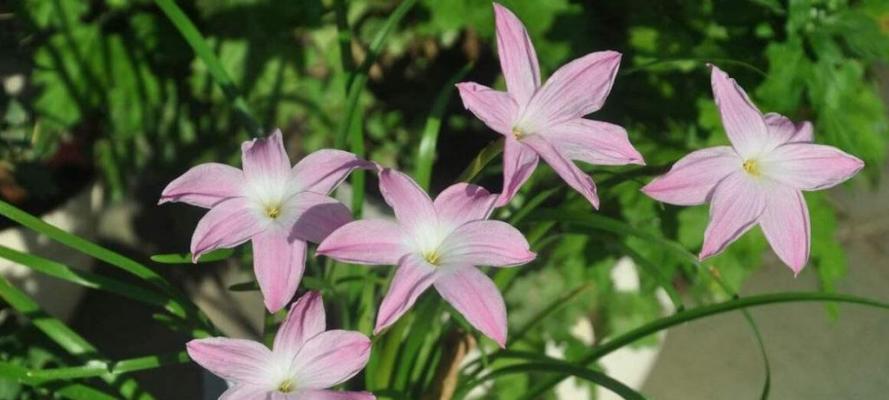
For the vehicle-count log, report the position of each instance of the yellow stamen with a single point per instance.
(517, 132)
(273, 211)
(287, 386)
(752, 167)
(432, 257)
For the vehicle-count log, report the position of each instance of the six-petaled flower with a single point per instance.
(278, 207)
(435, 243)
(759, 179)
(546, 121)
(304, 361)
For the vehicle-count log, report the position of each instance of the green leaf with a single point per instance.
(625, 339)
(92, 280)
(89, 248)
(563, 369)
(485, 156)
(429, 138)
(214, 66)
(185, 258)
(65, 337)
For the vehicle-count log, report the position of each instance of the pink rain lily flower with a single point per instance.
(275, 206)
(759, 179)
(547, 121)
(435, 244)
(303, 362)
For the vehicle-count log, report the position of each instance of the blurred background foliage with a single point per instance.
(110, 90)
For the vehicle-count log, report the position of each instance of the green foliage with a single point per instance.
(150, 89)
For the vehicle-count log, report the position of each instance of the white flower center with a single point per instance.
(427, 241)
(269, 196)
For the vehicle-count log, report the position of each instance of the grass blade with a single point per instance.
(73, 391)
(565, 369)
(185, 258)
(358, 78)
(426, 150)
(65, 337)
(100, 253)
(91, 280)
(689, 315)
(491, 151)
(352, 126)
(197, 42)
(100, 368)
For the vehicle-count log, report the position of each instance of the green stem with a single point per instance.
(643, 331)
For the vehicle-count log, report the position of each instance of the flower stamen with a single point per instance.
(751, 167)
(287, 386)
(432, 257)
(517, 132)
(273, 211)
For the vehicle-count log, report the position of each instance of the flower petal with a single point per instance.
(785, 222)
(236, 360)
(738, 201)
(413, 277)
(205, 185)
(574, 90)
(475, 296)
(411, 204)
(517, 57)
(573, 176)
(323, 170)
(331, 395)
(367, 241)
(691, 180)
(245, 392)
(314, 216)
(305, 320)
(810, 166)
(463, 202)
(493, 243)
(228, 224)
(265, 158)
(519, 162)
(495, 108)
(743, 122)
(330, 358)
(785, 131)
(593, 142)
(278, 264)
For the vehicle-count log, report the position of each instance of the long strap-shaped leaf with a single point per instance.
(98, 252)
(429, 138)
(351, 127)
(214, 66)
(564, 369)
(66, 338)
(603, 349)
(73, 391)
(113, 368)
(358, 78)
(622, 228)
(491, 151)
(90, 280)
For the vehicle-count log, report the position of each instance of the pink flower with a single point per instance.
(547, 121)
(276, 207)
(758, 179)
(303, 362)
(435, 244)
